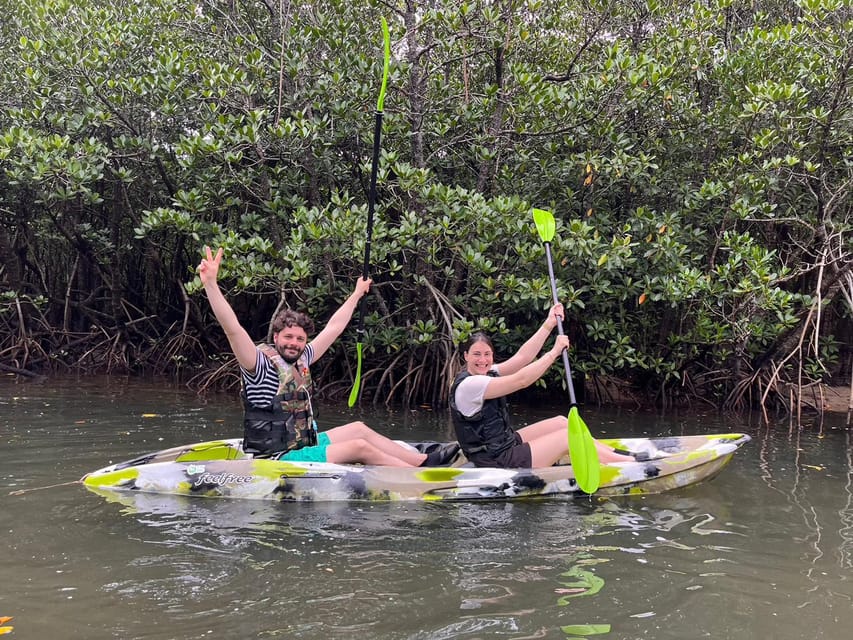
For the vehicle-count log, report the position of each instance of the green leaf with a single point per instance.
(586, 629)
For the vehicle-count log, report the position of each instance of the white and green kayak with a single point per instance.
(220, 469)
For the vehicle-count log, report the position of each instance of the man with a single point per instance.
(278, 420)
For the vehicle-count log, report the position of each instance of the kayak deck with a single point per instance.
(221, 469)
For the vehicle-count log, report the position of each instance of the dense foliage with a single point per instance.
(698, 158)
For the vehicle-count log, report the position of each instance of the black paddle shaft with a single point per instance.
(560, 324)
(371, 205)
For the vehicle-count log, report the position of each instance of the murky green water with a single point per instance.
(765, 550)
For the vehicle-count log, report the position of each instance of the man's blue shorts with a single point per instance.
(317, 453)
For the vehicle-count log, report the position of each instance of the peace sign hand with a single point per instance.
(208, 268)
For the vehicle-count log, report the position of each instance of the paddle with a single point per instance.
(371, 203)
(581, 445)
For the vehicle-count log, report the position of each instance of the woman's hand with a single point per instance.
(555, 312)
(560, 345)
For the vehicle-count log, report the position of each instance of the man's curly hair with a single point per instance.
(291, 318)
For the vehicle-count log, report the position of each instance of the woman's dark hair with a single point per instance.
(479, 336)
(291, 318)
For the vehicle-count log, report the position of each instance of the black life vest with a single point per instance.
(486, 432)
(287, 423)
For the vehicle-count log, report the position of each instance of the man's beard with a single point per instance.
(290, 359)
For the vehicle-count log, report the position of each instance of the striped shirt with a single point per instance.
(261, 385)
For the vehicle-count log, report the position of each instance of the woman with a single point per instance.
(479, 408)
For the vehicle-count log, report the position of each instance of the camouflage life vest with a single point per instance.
(288, 422)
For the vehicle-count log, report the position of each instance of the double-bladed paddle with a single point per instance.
(581, 445)
(371, 203)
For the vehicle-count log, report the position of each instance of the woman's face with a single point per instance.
(479, 358)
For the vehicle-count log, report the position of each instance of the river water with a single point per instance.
(764, 550)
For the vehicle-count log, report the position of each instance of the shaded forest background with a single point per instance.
(698, 158)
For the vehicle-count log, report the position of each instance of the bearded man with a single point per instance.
(278, 413)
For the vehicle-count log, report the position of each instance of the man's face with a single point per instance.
(290, 343)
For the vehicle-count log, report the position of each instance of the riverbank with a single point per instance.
(837, 399)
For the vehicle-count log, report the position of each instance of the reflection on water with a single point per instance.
(763, 550)
(845, 513)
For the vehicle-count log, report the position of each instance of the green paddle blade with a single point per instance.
(353, 395)
(583, 453)
(386, 38)
(544, 221)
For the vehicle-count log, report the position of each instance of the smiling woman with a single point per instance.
(479, 407)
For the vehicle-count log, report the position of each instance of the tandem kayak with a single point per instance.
(220, 469)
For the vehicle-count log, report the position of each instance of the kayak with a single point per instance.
(221, 469)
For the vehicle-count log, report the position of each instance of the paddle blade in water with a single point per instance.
(353, 395)
(583, 453)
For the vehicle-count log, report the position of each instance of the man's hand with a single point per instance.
(362, 286)
(208, 268)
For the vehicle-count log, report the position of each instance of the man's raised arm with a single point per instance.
(339, 320)
(240, 341)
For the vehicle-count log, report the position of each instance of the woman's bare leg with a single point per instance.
(543, 428)
(549, 440)
(360, 431)
(546, 450)
(607, 454)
